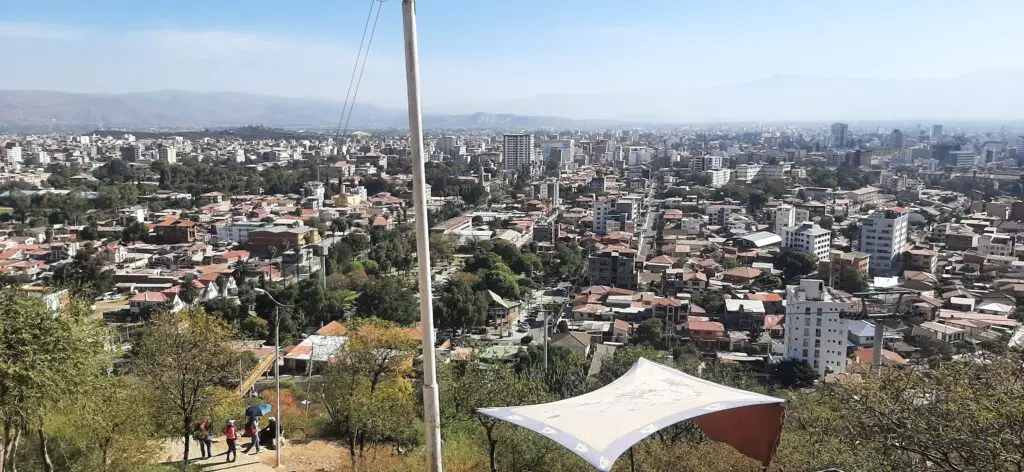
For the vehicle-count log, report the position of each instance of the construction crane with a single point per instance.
(875, 309)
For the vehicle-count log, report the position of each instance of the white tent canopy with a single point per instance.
(599, 426)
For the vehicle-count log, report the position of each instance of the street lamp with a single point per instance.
(277, 368)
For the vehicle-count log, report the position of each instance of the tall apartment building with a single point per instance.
(132, 152)
(883, 234)
(896, 139)
(703, 163)
(168, 154)
(785, 217)
(814, 331)
(809, 238)
(963, 158)
(517, 152)
(12, 153)
(840, 135)
(611, 214)
(637, 155)
(718, 177)
(614, 266)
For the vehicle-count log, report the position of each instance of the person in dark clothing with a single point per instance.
(202, 435)
(268, 435)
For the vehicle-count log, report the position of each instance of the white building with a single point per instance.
(637, 155)
(746, 173)
(809, 238)
(994, 244)
(690, 226)
(239, 155)
(611, 214)
(785, 218)
(239, 231)
(883, 234)
(814, 331)
(774, 171)
(963, 158)
(12, 153)
(567, 147)
(703, 163)
(517, 152)
(168, 155)
(718, 178)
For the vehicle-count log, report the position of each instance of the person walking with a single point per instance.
(230, 434)
(252, 430)
(202, 435)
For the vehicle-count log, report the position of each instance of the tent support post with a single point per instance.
(632, 461)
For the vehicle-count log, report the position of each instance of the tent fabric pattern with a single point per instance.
(601, 425)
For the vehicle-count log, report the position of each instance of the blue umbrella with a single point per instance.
(257, 410)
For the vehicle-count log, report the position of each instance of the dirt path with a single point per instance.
(297, 456)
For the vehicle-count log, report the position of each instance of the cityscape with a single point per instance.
(791, 273)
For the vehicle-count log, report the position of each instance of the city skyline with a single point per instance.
(638, 59)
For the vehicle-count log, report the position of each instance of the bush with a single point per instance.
(526, 340)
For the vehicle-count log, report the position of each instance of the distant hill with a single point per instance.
(182, 109)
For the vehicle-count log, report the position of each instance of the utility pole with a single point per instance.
(431, 406)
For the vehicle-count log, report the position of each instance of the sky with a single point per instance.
(488, 54)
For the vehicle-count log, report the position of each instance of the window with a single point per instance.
(805, 353)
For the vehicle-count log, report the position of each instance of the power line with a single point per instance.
(366, 55)
(355, 67)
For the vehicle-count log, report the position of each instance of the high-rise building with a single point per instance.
(883, 233)
(703, 163)
(614, 266)
(936, 133)
(840, 135)
(517, 152)
(168, 154)
(809, 238)
(131, 152)
(896, 139)
(12, 153)
(815, 332)
(963, 158)
(785, 217)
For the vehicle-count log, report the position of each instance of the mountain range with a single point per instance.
(183, 109)
(986, 95)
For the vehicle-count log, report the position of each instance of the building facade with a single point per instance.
(883, 234)
(814, 331)
(517, 152)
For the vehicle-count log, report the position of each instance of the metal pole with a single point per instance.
(431, 407)
(277, 381)
(876, 362)
(545, 334)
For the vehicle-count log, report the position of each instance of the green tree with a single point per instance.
(962, 416)
(460, 307)
(45, 359)
(794, 263)
(134, 231)
(475, 386)
(852, 280)
(712, 302)
(388, 298)
(649, 332)
(110, 423)
(442, 248)
(183, 356)
(84, 276)
(500, 280)
(366, 390)
(793, 373)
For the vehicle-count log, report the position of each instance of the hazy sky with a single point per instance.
(486, 51)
